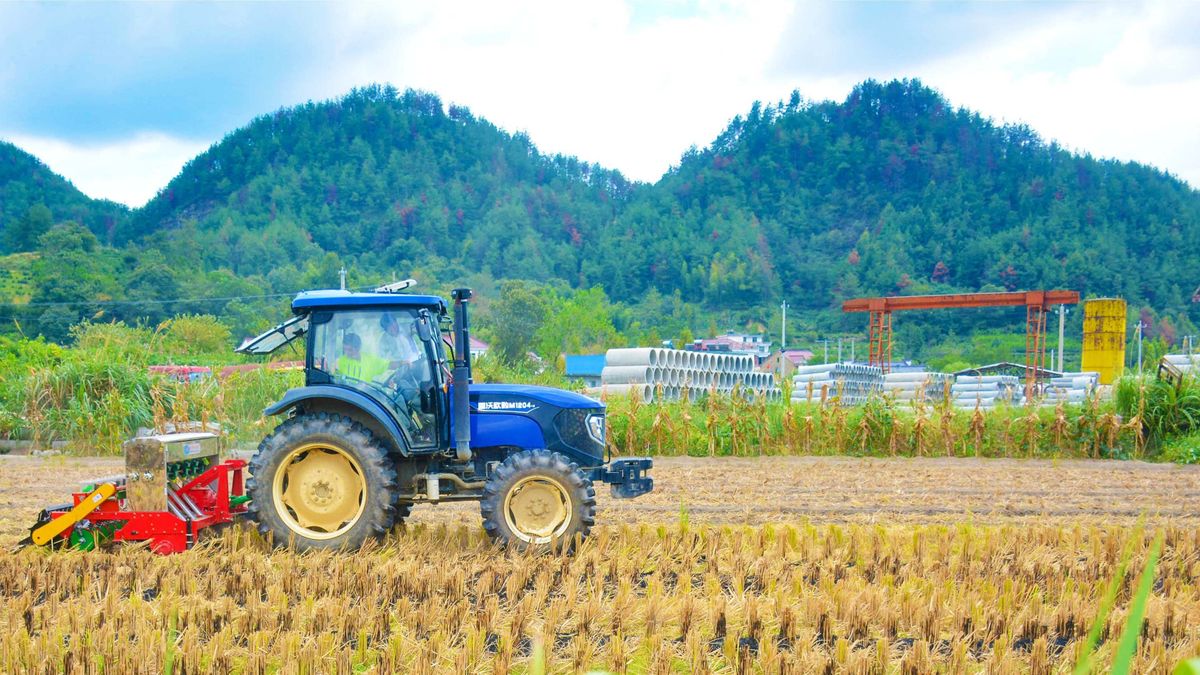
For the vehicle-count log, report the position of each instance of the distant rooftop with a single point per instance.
(584, 365)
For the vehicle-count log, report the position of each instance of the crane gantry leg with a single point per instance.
(1035, 347)
(880, 347)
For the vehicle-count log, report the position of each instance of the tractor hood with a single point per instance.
(532, 417)
(499, 393)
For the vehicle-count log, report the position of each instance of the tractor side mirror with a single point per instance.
(423, 330)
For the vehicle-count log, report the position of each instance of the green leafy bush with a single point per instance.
(1164, 410)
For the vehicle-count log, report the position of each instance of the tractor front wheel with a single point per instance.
(537, 498)
(322, 481)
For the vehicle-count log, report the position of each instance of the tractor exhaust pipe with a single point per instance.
(462, 375)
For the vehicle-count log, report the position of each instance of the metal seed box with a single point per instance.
(152, 463)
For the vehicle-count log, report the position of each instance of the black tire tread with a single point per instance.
(525, 462)
(382, 510)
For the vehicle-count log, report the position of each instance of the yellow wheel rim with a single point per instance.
(319, 491)
(537, 509)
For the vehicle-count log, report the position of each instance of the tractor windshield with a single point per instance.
(381, 353)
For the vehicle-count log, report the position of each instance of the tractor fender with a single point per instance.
(347, 402)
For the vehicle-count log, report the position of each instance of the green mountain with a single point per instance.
(387, 180)
(891, 191)
(26, 184)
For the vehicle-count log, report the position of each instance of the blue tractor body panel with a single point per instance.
(293, 397)
(548, 395)
(531, 417)
(502, 429)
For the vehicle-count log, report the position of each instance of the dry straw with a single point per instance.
(791, 598)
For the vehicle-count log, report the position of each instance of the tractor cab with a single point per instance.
(384, 346)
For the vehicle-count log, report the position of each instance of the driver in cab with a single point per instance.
(353, 363)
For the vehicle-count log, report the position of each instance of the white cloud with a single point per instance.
(586, 79)
(129, 171)
(1134, 100)
(598, 81)
(632, 85)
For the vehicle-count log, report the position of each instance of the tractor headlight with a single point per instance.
(595, 426)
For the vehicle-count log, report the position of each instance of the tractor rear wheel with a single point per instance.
(537, 498)
(322, 481)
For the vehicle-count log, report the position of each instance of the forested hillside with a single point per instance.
(891, 191)
(26, 184)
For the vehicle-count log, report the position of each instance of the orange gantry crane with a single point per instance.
(1036, 305)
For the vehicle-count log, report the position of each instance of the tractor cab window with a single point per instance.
(381, 354)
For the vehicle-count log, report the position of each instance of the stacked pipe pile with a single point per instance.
(913, 386)
(668, 373)
(851, 383)
(1070, 388)
(986, 391)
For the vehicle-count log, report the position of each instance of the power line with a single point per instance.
(113, 303)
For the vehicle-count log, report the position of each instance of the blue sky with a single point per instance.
(117, 97)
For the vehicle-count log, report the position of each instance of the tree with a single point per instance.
(67, 237)
(24, 234)
(581, 322)
(197, 334)
(515, 318)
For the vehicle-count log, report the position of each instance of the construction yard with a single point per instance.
(793, 564)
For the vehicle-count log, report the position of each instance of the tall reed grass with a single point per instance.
(99, 392)
(1165, 410)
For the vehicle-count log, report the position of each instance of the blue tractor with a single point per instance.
(388, 418)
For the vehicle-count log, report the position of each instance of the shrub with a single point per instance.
(195, 334)
(1164, 410)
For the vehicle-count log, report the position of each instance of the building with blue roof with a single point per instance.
(584, 367)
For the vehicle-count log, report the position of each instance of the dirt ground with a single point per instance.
(781, 489)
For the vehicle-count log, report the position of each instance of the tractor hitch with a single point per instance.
(626, 476)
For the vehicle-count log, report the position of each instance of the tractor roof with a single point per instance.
(335, 299)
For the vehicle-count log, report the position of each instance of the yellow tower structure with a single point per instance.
(1104, 338)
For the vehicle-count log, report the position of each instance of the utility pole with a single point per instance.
(1062, 312)
(852, 350)
(783, 329)
(342, 277)
(1139, 338)
(826, 350)
(839, 350)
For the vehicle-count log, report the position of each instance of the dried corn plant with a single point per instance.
(734, 425)
(775, 598)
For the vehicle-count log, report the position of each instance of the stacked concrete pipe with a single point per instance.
(986, 391)
(850, 383)
(671, 372)
(1070, 388)
(924, 386)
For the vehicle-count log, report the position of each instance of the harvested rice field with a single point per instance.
(732, 565)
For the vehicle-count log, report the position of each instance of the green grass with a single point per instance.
(99, 392)
(730, 426)
(1166, 411)
(15, 284)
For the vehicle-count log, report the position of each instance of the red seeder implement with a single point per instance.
(173, 488)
